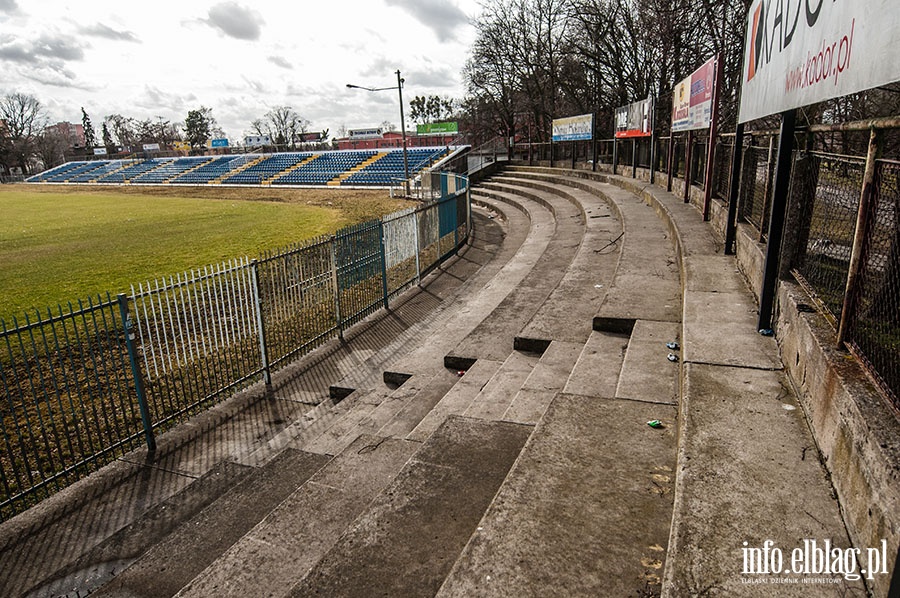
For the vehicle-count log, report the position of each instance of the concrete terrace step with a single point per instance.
(409, 537)
(747, 470)
(548, 377)
(281, 549)
(173, 562)
(584, 512)
(400, 409)
(103, 561)
(596, 373)
(646, 283)
(496, 396)
(494, 336)
(458, 399)
(567, 313)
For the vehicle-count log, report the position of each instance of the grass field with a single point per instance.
(61, 244)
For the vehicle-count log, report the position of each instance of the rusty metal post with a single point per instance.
(711, 151)
(671, 158)
(867, 198)
(688, 159)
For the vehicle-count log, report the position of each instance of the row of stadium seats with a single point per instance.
(347, 167)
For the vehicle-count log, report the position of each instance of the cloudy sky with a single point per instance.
(161, 58)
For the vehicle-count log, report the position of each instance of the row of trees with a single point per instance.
(535, 60)
(28, 142)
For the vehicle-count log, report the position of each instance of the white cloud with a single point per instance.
(107, 32)
(441, 16)
(236, 21)
(119, 57)
(280, 61)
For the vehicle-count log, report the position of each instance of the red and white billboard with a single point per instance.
(635, 119)
(692, 99)
(798, 52)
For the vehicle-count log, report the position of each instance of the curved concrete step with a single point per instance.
(281, 549)
(567, 313)
(189, 549)
(494, 337)
(407, 540)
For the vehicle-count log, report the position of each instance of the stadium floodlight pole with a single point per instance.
(399, 88)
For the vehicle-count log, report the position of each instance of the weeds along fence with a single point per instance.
(85, 383)
(842, 234)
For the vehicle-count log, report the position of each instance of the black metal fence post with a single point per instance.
(734, 189)
(781, 187)
(128, 323)
(260, 322)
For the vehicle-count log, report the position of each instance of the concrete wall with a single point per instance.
(856, 430)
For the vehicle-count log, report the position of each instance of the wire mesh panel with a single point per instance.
(722, 167)
(429, 235)
(874, 327)
(359, 266)
(401, 250)
(757, 170)
(698, 162)
(199, 337)
(297, 299)
(830, 220)
(68, 403)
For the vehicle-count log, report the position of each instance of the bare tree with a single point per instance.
(23, 119)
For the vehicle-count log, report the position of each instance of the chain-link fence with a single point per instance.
(873, 326)
(826, 191)
(757, 172)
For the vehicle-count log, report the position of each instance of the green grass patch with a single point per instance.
(63, 244)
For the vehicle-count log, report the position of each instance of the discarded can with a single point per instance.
(461, 373)
(655, 423)
(672, 357)
(672, 345)
(767, 332)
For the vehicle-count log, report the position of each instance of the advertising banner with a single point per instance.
(310, 137)
(99, 151)
(448, 128)
(151, 147)
(573, 128)
(692, 99)
(798, 52)
(253, 140)
(635, 119)
(219, 143)
(373, 133)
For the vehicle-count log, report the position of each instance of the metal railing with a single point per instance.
(87, 383)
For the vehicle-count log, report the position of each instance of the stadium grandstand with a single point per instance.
(354, 168)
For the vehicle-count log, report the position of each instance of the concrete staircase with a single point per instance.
(488, 436)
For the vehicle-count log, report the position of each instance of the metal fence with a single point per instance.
(89, 382)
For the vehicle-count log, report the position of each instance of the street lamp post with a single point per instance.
(399, 89)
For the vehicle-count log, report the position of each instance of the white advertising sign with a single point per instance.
(151, 147)
(692, 99)
(373, 133)
(573, 128)
(798, 52)
(99, 151)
